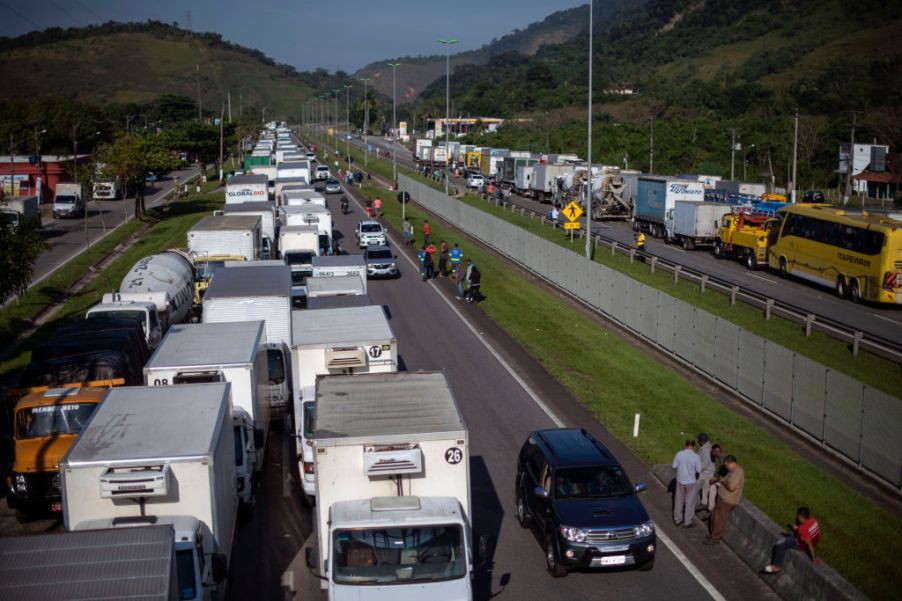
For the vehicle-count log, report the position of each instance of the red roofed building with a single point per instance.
(886, 183)
(53, 169)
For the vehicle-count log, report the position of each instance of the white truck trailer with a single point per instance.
(309, 214)
(393, 489)
(267, 212)
(247, 188)
(340, 265)
(339, 285)
(20, 209)
(226, 235)
(161, 455)
(295, 198)
(695, 223)
(223, 352)
(119, 563)
(259, 293)
(357, 340)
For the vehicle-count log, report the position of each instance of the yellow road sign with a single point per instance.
(572, 211)
(573, 225)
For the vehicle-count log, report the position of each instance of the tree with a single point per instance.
(199, 139)
(20, 247)
(132, 158)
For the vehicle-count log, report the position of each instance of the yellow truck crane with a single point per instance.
(743, 237)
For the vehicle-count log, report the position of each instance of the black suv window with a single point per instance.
(591, 482)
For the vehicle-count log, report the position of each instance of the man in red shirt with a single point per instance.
(426, 231)
(805, 537)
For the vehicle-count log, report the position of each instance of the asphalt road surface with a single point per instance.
(874, 320)
(494, 382)
(67, 237)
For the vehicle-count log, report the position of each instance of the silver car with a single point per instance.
(333, 186)
(380, 262)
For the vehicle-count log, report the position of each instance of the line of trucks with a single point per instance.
(697, 211)
(149, 432)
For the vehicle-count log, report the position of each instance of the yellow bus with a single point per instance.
(858, 254)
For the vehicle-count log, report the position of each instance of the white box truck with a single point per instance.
(309, 214)
(223, 352)
(695, 223)
(340, 265)
(299, 244)
(258, 293)
(357, 340)
(270, 172)
(267, 212)
(143, 312)
(226, 235)
(293, 169)
(284, 182)
(19, 209)
(247, 188)
(296, 198)
(339, 285)
(119, 563)
(547, 180)
(393, 514)
(69, 201)
(161, 455)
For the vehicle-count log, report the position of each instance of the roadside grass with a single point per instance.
(169, 232)
(16, 315)
(616, 380)
(867, 367)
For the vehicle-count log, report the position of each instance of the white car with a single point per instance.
(475, 181)
(323, 173)
(369, 232)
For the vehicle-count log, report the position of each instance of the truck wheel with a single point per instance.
(687, 244)
(842, 290)
(718, 250)
(750, 261)
(307, 500)
(783, 271)
(854, 290)
(556, 569)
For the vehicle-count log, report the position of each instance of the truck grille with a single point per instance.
(606, 536)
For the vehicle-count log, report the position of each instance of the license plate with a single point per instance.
(612, 560)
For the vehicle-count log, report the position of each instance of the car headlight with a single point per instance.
(576, 535)
(646, 529)
(21, 485)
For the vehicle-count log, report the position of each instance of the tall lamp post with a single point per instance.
(447, 44)
(589, 147)
(366, 123)
(335, 127)
(348, 125)
(394, 121)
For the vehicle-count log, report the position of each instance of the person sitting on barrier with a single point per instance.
(805, 535)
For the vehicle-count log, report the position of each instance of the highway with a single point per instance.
(497, 385)
(66, 237)
(873, 320)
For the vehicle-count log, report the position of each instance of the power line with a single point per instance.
(88, 9)
(20, 15)
(66, 12)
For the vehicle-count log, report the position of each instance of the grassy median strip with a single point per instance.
(868, 368)
(616, 380)
(169, 232)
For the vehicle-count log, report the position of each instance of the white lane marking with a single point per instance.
(892, 321)
(761, 277)
(687, 563)
(690, 567)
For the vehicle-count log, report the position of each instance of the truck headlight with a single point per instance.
(576, 535)
(646, 529)
(21, 485)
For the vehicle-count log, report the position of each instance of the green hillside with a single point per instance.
(557, 28)
(137, 62)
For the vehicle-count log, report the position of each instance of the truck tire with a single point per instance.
(784, 273)
(718, 249)
(854, 290)
(751, 263)
(842, 289)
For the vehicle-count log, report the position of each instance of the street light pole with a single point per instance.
(447, 44)
(366, 123)
(394, 121)
(589, 147)
(335, 128)
(795, 157)
(348, 125)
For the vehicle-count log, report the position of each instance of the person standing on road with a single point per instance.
(687, 466)
(475, 282)
(443, 259)
(377, 207)
(729, 495)
(806, 534)
(456, 255)
(705, 473)
(407, 229)
(426, 230)
(460, 276)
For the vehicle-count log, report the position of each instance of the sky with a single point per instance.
(337, 34)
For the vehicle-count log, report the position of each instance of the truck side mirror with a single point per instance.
(310, 560)
(220, 567)
(259, 438)
(640, 486)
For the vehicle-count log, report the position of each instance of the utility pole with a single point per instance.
(230, 106)
(39, 185)
(795, 156)
(200, 111)
(447, 44)
(335, 127)
(733, 154)
(589, 146)
(12, 165)
(366, 123)
(851, 161)
(651, 148)
(221, 116)
(394, 124)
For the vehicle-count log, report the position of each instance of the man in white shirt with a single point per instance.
(688, 465)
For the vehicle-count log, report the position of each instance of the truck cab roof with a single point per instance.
(380, 511)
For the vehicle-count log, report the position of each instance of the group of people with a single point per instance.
(467, 276)
(711, 483)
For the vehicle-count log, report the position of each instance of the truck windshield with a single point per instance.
(275, 366)
(309, 419)
(64, 200)
(299, 258)
(53, 420)
(591, 483)
(239, 447)
(399, 555)
(184, 565)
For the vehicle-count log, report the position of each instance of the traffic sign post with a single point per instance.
(573, 225)
(572, 212)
